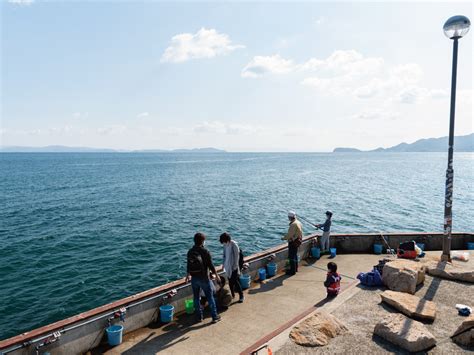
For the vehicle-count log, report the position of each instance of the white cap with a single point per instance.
(291, 214)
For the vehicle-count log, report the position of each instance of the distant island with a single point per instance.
(461, 144)
(65, 149)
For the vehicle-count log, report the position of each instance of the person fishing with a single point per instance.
(231, 264)
(326, 228)
(294, 238)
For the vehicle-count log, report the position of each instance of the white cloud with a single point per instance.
(21, 2)
(350, 73)
(375, 114)
(464, 96)
(261, 65)
(143, 114)
(320, 20)
(217, 127)
(203, 44)
(79, 115)
(112, 130)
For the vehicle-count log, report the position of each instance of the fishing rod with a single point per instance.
(302, 218)
(306, 220)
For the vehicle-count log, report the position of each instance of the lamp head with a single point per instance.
(456, 27)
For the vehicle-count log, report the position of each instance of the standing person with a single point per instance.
(231, 264)
(294, 238)
(333, 280)
(198, 266)
(326, 228)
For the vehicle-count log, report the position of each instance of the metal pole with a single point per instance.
(448, 199)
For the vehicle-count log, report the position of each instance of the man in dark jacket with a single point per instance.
(198, 266)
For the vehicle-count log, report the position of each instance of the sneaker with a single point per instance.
(241, 299)
(215, 320)
(199, 319)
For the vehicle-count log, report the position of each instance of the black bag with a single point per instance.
(196, 265)
(297, 242)
(241, 259)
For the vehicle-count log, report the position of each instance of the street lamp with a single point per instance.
(454, 28)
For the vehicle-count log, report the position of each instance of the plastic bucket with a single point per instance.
(244, 281)
(114, 334)
(470, 246)
(421, 246)
(315, 252)
(378, 249)
(333, 252)
(166, 313)
(262, 274)
(189, 306)
(272, 269)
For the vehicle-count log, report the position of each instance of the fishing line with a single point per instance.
(320, 268)
(300, 217)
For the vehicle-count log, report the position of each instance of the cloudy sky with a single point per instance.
(236, 76)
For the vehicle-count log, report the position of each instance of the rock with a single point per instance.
(449, 271)
(410, 305)
(405, 333)
(403, 275)
(464, 335)
(317, 330)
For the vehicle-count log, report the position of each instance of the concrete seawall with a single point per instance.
(85, 331)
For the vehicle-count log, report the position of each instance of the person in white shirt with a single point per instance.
(231, 264)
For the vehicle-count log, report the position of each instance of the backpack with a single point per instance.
(241, 259)
(196, 265)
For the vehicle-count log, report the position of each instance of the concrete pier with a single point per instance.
(267, 307)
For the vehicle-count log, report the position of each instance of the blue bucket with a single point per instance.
(421, 246)
(166, 313)
(114, 334)
(272, 269)
(333, 252)
(262, 274)
(470, 246)
(378, 249)
(315, 252)
(244, 281)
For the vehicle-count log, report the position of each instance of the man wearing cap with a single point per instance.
(326, 228)
(294, 237)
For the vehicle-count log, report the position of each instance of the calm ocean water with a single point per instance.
(80, 230)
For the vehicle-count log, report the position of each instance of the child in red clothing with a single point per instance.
(333, 280)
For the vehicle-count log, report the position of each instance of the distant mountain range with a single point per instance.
(65, 149)
(461, 144)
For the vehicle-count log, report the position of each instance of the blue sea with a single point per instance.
(81, 230)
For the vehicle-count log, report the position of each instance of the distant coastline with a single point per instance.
(461, 144)
(66, 149)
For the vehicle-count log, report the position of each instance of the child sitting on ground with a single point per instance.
(333, 280)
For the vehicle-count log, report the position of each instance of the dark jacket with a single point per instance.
(326, 226)
(206, 259)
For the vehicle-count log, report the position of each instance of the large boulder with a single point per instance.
(317, 330)
(410, 305)
(449, 271)
(403, 275)
(405, 333)
(464, 335)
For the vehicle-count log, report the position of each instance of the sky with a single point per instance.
(239, 76)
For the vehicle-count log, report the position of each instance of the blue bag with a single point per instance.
(371, 278)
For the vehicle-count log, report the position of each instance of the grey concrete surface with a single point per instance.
(267, 306)
(364, 309)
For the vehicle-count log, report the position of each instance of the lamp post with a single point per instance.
(454, 28)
